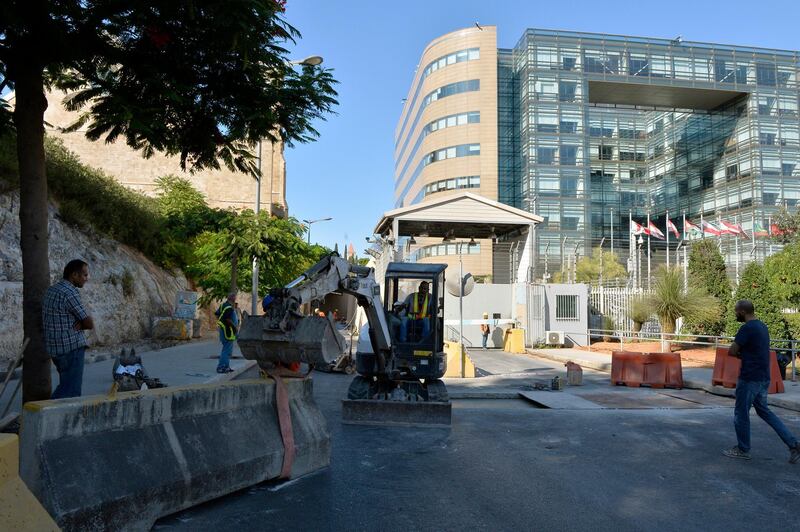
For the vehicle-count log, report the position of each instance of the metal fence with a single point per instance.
(536, 314)
(615, 303)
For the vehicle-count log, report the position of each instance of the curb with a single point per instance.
(772, 399)
(233, 375)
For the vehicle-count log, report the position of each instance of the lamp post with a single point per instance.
(312, 60)
(309, 222)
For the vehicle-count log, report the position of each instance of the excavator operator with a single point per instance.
(418, 312)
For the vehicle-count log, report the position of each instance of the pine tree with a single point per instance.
(754, 286)
(707, 271)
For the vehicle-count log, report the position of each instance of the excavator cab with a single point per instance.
(414, 307)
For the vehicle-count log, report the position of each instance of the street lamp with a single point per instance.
(312, 60)
(309, 222)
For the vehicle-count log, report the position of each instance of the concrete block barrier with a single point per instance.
(99, 463)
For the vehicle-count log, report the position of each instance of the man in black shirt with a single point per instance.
(752, 346)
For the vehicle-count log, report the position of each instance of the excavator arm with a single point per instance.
(284, 334)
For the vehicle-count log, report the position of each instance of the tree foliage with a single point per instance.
(706, 270)
(640, 310)
(787, 224)
(783, 272)
(755, 287)
(203, 80)
(588, 269)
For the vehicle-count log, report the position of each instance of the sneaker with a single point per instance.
(226, 369)
(735, 452)
(794, 457)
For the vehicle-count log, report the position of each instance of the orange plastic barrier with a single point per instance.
(627, 368)
(726, 371)
(663, 370)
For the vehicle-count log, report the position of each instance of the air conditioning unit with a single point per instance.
(555, 337)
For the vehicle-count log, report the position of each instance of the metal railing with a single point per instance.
(452, 335)
(780, 346)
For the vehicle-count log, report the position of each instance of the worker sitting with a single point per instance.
(418, 313)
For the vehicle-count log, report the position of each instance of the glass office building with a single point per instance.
(594, 128)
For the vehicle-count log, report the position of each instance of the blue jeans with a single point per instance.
(754, 394)
(227, 350)
(484, 339)
(70, 373)
(423, 322)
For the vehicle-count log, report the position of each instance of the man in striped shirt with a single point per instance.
(65, 319)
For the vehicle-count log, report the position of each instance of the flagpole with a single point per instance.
(769, 225)
(736, 248)
(648, 250)
(612, 230)
(667, 228)
(754, 251)
(631, 243)
(685, 254)
(702, 227)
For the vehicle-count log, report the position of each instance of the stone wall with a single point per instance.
(222, 188)
(119, 318)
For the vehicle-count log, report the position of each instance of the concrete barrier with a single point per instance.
(99, 463)
(19, 509)
(452, 350)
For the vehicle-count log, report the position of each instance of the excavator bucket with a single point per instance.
(313, 340)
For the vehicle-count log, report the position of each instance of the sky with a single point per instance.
(373, 47)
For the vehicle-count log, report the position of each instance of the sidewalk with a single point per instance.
(187, 363)
(693, 378)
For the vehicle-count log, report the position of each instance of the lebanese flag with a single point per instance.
(655, 231)
(709, 229)
(638, 229)
(759, 230)
(727, 228)
(689, 226)
(671, 227)
(774, 230)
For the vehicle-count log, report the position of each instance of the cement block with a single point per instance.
(99, 463)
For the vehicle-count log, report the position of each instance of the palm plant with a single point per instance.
(671, 301)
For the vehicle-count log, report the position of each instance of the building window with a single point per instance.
(438, 250)
(451, 89)
(469, 54)
(567, 307)
(453, 183)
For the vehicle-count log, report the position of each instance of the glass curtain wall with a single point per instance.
(579, 160)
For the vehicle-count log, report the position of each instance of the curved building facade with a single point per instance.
(446, 137)
(602, 133)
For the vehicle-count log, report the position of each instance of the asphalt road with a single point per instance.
(507, 465)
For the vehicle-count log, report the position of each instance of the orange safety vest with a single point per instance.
(423, 313)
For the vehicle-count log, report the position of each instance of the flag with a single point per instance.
(671, 227)
(727, 228)
(758, 230)
(689, 226)
(774, 230)
(709, 229)
(638, 229)
(655, 231)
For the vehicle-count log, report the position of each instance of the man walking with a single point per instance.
(228, 323)
(64, 320)
(752, 346)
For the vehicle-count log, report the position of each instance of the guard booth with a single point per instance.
(458, 220)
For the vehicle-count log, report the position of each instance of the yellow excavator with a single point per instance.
(399, 370)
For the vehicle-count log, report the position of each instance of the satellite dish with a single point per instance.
(468, 284)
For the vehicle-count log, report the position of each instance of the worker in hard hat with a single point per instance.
(485, 330)
(418, 308)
